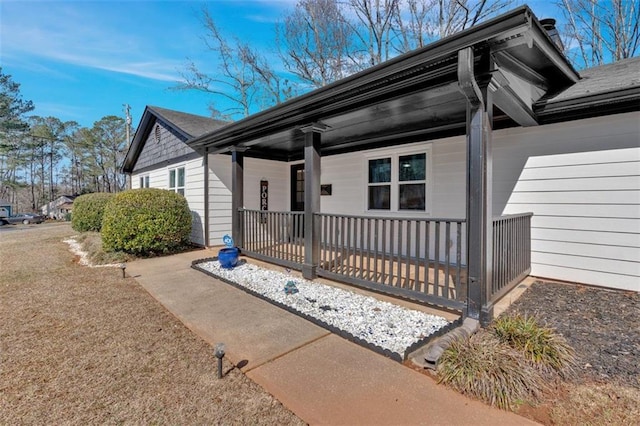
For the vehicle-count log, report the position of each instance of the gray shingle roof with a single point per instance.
(192, 125)
(624, 74)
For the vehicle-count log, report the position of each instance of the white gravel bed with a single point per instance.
(383, 324)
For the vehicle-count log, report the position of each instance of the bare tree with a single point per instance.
(412, 24)
(244, 79)
(603, 31)
(317, 43)
(374, 26)
(457, 15)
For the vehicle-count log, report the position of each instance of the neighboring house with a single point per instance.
(5, 208)
(416, 165)
(58, 208)
(159, 158)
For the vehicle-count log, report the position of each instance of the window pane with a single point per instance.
(172, 178)
(380, 170)
(181, 176)
(380, 197)
(412, 197)
(180, 191)
(146, 181)
(141, 182)
(412, 167)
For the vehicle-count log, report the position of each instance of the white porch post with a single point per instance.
(479, 186)
(237, 194)
(312, 139)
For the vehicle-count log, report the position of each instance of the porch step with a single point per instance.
(428, 355)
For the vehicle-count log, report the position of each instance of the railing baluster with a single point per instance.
(458, 258)
(348, 244)
(375, 248)
(436, 265)
(427, 254)
(447, 259)
(362, 220)
(417, 281)
(408, 256)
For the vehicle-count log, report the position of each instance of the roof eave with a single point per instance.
(290, 113)
(136, 143)
(591, 105)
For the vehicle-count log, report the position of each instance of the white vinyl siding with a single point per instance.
(581, 179)
(255, 170)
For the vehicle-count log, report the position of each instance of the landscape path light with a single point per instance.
(218, 351)
(123, 266)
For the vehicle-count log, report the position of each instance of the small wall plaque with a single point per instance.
(325, 189)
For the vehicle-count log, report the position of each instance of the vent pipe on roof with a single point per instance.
(549, 25)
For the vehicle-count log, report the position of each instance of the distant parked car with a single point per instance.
(25, 218)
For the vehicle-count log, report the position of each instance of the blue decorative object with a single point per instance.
(228, 257)
(228, 241)
(290, 287)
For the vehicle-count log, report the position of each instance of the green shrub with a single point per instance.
(146, 221)
(485, 368)
(88, 210)
(540, 345)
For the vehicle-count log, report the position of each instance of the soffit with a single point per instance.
(410, 98)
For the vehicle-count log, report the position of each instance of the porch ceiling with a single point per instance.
(412, 97)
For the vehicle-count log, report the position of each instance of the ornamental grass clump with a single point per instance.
(146, 222)
(485, 368)
(542, 346)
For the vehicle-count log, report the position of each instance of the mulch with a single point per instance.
(603, 326)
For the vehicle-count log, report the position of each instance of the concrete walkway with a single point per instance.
(321, 377)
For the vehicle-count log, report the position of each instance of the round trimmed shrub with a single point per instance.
(88, 210)
(146, 221)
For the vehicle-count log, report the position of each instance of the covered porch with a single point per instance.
(487, 77)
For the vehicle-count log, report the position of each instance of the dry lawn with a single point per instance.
(598, 404)
(81, 345)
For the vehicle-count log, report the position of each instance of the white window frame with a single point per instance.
(395, 183)
(145, 181)
(177, 188)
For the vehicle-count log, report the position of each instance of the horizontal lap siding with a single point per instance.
(219, 198)
(220, 190)
(581, 180)
(194, 193)
(347, 174)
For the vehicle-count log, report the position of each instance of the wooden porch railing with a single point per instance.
(411, 257)
(511, 253)
(420, 259)
(272, 236)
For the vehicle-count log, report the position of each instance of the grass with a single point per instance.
(91, 243)
(82, 345)
(540, 345)
(597, 404)
(485, 368)
(509, 363)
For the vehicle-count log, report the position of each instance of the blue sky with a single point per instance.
(82, 60)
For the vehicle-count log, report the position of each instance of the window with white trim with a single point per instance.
(398, 182)
(144, 181)
(176, 180)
